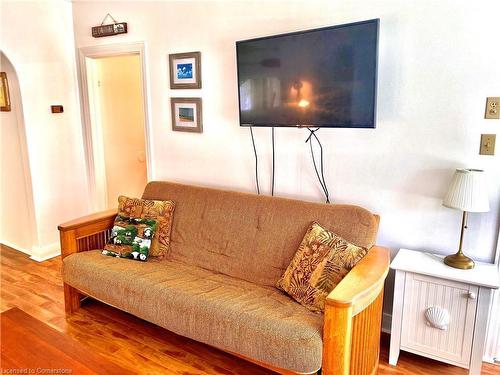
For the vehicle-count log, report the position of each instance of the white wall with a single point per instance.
(17, 225)
(37, 37)
(436, 69)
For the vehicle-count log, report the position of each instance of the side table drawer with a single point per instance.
(438, 318)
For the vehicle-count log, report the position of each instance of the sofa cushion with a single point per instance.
(321, 262)
(160, 210)
(232, 314)
(248, 236)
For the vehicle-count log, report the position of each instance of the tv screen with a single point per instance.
(320, 78)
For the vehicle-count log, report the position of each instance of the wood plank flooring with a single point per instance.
(28, 343)
(139, 346)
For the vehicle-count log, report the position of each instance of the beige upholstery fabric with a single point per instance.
(256, 321)
(249, 236)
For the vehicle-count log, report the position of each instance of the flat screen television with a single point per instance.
(324, 77)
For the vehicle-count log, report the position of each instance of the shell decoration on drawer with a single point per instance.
(437, 317)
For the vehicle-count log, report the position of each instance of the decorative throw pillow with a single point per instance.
(320, 263)
(130, 238)
(161, 211)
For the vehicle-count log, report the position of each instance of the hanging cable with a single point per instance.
(256, 161)
(321, 178)
(322, 169)
(272, 181)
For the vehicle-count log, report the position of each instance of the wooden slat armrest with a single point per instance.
(353, 311)
(363, 283)
(108, 215)
(86, 233)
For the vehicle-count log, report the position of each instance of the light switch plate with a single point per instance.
(492, 108)
(487, 144)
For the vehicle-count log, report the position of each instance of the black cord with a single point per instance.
(321, 178)
(272, 141)
(256, 162)
(322, 170)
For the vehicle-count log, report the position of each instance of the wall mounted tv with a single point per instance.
(324, 77)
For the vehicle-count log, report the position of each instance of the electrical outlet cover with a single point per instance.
(492, 108)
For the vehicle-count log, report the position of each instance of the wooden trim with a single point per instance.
(353, 316)
(109, 50)
(363, 283)
(337, 338)
(68, 243)
(71, 299)
(88, 220)
(83, 234)
(365, 344)
(86, 233)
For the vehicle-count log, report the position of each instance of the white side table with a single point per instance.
(441, 312)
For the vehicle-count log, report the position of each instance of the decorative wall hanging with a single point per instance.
(114, 28)
(4, 93)
(186, 114)
(185, 70)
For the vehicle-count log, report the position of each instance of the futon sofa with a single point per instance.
(217, 284)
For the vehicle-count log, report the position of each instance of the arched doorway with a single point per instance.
(17, 217)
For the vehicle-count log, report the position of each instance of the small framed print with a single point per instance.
(4, 93)
(186, 114)
(185, 70)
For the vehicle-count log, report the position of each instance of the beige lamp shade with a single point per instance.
(468, 191)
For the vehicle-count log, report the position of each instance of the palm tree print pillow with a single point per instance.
(161, 211)
(130, 238)
(320, 263)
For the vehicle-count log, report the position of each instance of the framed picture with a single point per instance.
(4, 93)
(185, 70)
(186, 114)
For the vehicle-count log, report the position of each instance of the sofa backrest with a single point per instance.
(248, 236)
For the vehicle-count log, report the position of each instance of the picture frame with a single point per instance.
(4, 93)
(186, 114)
(185, 70)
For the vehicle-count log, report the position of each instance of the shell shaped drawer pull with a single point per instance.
(437, 317)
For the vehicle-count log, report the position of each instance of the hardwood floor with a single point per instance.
(28, 343)
(139, 346)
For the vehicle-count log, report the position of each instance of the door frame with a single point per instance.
(96, 194)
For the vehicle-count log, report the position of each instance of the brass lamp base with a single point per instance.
(459, 260)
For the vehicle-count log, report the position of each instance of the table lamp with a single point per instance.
(468, 193)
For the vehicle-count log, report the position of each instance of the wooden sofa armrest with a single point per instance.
(363, 283)
(353, 312)
(86, 233)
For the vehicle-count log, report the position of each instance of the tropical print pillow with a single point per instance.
(130, 238)
(161, 211)
(320, 263)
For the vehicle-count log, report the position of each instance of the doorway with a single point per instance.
(114, 104)
(17, 214)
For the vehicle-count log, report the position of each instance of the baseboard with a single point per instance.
(488, 359)
(41, 253)
(15, 247)
(386, 323)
